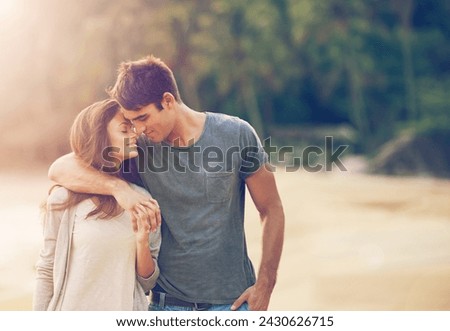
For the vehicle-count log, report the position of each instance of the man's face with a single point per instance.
(156, 124)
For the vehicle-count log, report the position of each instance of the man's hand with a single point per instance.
(264, 193)
(148, 210)
(138, 204)
(257, 297)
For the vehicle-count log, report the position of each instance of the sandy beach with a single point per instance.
(353, 241)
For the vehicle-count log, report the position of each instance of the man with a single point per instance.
(196, 165)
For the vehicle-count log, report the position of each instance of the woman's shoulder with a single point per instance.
(57, 195)
(140, 189)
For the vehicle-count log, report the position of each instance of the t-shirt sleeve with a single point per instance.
(253, 155)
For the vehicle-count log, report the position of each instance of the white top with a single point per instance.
(102, 268)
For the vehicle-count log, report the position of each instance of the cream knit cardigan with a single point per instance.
(53, 263)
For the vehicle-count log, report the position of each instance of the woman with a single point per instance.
(92, 259)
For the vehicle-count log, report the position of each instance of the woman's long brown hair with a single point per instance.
(88, 139)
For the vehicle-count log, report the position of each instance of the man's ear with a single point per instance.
(168, 100)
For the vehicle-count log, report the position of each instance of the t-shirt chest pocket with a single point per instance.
(218, 186)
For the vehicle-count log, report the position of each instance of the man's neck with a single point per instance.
(188, 128)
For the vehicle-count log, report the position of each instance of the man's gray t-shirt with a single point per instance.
(201, 192)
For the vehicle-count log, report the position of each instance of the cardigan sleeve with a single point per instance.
(154, 243)
(44, 287)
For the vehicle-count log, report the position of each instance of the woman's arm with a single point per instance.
(147, 249)
(43, 292)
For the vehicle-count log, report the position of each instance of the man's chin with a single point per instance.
(154, 139)
(131, 155)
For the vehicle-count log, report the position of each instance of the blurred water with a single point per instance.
(353, 242)
(20, 234)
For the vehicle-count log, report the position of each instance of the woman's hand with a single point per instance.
(141, 226)
(145, 265)
(137, 203)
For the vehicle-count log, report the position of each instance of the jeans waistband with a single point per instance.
(163, 299)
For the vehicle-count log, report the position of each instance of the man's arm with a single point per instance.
(263, 190)
(72, 173)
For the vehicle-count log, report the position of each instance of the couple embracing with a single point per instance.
(151, 201)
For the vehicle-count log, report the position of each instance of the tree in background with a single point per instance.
(379, 66)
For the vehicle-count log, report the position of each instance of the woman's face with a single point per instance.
(122, 138)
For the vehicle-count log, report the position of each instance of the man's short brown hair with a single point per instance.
(143, 82)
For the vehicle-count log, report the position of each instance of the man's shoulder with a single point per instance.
(225, 120)
(231, 126)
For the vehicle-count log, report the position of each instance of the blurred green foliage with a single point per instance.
(379, 66)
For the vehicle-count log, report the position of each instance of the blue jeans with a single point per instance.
(153, 307)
